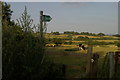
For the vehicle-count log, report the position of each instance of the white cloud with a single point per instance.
(60, 0)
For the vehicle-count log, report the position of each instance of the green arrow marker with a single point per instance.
(46, 18)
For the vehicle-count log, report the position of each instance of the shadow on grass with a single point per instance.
(73, 49)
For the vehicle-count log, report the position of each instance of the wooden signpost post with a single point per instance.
(43, 19)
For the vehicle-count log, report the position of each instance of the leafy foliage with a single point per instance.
(82, 38)
(101, 34)
(55, 33)
(57, 41)
(69, 42)
(23, 53)
(117, 35)
(6, 14)
(71, 32)
(25, 21)
(84, 33)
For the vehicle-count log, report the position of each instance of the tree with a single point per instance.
(71, 32)
(25, 21)
(6, 14)
(57, 41)
(0, 9)
(55, 33)
(117, 35)
(101, 34)
(21, 56)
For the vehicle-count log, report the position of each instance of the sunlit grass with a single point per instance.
(70, 55)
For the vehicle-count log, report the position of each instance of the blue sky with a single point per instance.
(78, 16)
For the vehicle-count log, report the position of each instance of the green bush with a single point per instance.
(71, 32)
(55, 33)
(82, 38)
(57, 41)
(69, 42)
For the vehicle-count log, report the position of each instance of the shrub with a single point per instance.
(23, 55)
(55, 33)
(82, 38)
(69, 42)
(57, 41)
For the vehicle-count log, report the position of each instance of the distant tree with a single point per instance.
(55, 33)
(117, 35)
(25, 21)
(57, 41)
(87, 33)
(71, 32)
(84, 33)
(82, 38)
(101, 34)
(76, 33)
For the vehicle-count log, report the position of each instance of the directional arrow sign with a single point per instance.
(46, 18)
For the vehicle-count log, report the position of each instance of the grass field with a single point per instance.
(75, 59)
(49, 35)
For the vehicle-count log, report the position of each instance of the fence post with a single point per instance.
(117, 53)
(111, 64)
(89, 56)
(94, 65)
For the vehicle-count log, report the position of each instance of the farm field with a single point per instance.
(50, 35)
(75, 59)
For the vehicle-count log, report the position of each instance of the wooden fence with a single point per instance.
(92, 63)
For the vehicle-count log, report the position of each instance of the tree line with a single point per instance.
(77, 33)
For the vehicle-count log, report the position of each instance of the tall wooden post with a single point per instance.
(94, 65)
(45, 28)
(41, 38)
(41, 25)
(89, 56)
(117, 53)
(111, 64)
